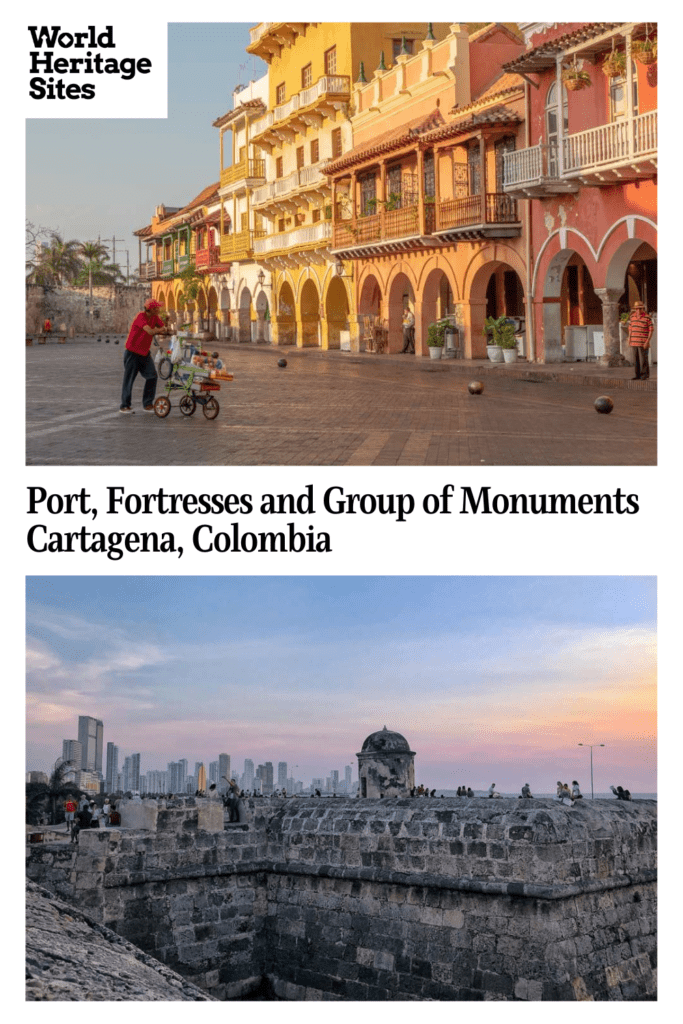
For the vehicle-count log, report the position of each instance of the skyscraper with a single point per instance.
(248, 777)
(131, 774)
(223, 772)
(267, 777)
(112, 767)
(282, 774)
(213, 771)
(91, 736)
(72, 751)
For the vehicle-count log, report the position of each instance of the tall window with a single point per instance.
(331, 61)
(315, 151)
(394, 190)
(501, 147)
(552, 121)
(617, 94)
(278, 167)
(299, 157)
(307, 76)
(428, 175)
(336, 143)
(474, 169)
(368, 194)
(280, 94)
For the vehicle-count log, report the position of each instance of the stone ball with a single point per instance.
(282, 362)
(385, 740)
(475, 387)
(603, 404)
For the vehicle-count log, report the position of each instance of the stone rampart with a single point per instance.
(383, 899)
(113, 309)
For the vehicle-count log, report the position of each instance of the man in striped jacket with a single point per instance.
(640, 328)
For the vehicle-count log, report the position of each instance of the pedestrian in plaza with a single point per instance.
(640, 330)
(408, 330)
(136, 358)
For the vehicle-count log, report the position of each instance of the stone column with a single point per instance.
(610, 323)
(356, 331)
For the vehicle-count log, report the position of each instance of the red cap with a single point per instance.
(152, 304)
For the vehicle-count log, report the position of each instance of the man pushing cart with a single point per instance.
(136, 358)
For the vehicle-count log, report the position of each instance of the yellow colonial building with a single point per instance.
(307, 123)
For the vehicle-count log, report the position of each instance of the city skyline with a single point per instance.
(489, 678)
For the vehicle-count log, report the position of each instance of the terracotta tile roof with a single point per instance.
(489, 118)
(190, 213)
(386, 141)
(143, 232)
(495, 26)
(543, 56)
(506, 84)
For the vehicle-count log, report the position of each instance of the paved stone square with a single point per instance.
(333, 408)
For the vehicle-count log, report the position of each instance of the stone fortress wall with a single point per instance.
(393, 898)
(114, 308)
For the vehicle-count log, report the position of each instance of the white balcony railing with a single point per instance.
(531, 164)
(260, 30)
(297, 179)
(334, 85)
(319, 232)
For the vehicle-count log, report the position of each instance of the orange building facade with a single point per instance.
(589, 176)
(419, 206)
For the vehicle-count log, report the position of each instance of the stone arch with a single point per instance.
(401, 291)
(370, 296)
(336, 311)
(437, 300)
(494, 288)
(310, 314)
(569, 298)
(286, 315)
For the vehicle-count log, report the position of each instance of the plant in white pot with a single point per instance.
(503, 344)
(435, 338)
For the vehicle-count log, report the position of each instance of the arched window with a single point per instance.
(552, 125)
(617, 94)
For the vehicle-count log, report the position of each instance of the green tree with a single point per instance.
(57, 263)
(50, 795)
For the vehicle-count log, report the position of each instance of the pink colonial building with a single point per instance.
(588, 168)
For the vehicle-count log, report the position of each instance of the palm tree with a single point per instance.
(58, 263)
(53, 792)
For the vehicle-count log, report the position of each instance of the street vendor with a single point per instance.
(136, 358)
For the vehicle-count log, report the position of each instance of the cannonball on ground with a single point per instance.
(106, 341)
(603, 404)
(214, 355)
(116, 342)
(475, 387)
(282, 362)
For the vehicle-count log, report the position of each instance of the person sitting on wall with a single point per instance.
(576, 792)
(492, 792)
(136, 358)
(563, 794)
(459, 793)
(469, 792)
(526, 792)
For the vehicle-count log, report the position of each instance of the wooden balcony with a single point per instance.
(209, 260)
(167, 268)
(471, 218)
(148, 271)
(239, 246)
(249, 172)
(448, 220)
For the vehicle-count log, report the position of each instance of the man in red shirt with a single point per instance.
(136, 358)
(640, 330)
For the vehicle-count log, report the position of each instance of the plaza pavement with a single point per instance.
(337, 408)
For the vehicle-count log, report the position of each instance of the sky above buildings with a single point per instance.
(104, 178)
(489, 678)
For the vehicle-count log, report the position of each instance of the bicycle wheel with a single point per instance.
(162, 406)
(211, 409)
(165, 368)
(187, 405)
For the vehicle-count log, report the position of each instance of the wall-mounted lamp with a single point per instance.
(261, 277)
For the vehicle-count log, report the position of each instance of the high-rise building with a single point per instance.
(267, 777)
(223, 772)
(177, 776)
(248, 777)
(213, 772)
(131, 774)
(72, 751)
(90, 736)
(200, 772)
(347, 777)
(282, 774)
(334, 781)
(112, 767)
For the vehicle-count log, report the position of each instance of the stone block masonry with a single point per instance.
(384, 899)
(113, 310)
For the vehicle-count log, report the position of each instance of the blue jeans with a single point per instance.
(133, 364)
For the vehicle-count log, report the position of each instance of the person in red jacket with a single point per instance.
(47, 327)
(640, 330)
(136, 358)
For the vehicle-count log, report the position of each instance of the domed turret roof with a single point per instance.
(385, 740)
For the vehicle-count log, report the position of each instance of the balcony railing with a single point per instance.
(310, 234)
(167, 268)
(206, 258)
(183, 262)
(303, 176)
(260, 30)
(148, 270)
(329, 85)
(534, 163)
(244, 169)
(611, 143)
(497, 208)
(239, 245)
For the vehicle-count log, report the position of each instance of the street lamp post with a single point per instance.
(591, 745)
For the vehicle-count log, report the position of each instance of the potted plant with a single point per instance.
(435, 338)
(645, 50)
(575, 79)
(614, 65)
(503, 345)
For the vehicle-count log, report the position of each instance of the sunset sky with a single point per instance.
(489, 678)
